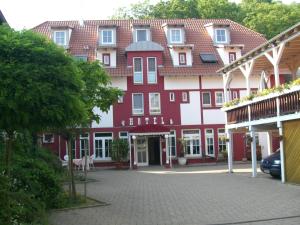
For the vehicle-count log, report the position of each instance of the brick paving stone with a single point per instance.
(186, 196)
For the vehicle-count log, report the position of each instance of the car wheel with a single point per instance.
(275, 175)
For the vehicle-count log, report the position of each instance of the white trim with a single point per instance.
(146, 150)
(84, 138)
(48, 141)
(112, 37)
(171, 96)
(151, 107)
(136, 36)
(200, 149)
(137, 113)
(216, 35)
(205, 92)
(180, 35)
(103, 145)
(213, 143)
(151, 71)
(138, 72)
(218, 92)
(65, 37)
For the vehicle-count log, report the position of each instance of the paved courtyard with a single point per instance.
(190, 195)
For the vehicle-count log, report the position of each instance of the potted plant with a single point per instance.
(182, 151)
(119, 152)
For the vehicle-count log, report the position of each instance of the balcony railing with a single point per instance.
(289, 103)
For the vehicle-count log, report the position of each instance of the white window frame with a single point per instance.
(234, 95)
(216, 35)
(134, 73)
(190, 138)
(211, 136)
(221, 139)
(216, 97)
(65, 37)
(46, 140)
(103, 139)
(72, 149)
(206, 92)
(136, 34)
(180, 35)
(184, 96)
(155, 72)
(172, 135)
(123, 137)
(172, 96)
(102, 37)
(134, 112)
(80, 147)
(154, 111)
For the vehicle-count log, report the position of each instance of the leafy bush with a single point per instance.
(120, 150)
(34, 184)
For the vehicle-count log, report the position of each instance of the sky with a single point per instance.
(29, 13)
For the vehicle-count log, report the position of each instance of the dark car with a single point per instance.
(272, 164)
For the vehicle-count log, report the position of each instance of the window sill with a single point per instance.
(142, 114)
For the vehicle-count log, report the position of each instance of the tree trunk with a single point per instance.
(71, 171)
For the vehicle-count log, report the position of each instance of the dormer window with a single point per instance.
(221, 36)
(141, 35)
(60, 38)
(175, 36)
(107, 37)
(182, 58)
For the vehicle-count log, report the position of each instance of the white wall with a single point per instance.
(175, 56)
(179, 83)
(106, 118)
(224, 54)
(213, 116)
(212, 82)
(263, 142)
(191, 112)
(113, 56)
(119, 82)
(240, 82)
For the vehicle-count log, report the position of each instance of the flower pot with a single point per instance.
(182, 161)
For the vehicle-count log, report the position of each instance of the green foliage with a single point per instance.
(40, 84)
(264, 92)
(264, 16)
(120, 150)
(34, 184)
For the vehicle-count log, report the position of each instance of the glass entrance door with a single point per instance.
(141, 151)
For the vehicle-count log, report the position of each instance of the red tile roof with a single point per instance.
(196, 34)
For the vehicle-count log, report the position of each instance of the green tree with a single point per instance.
(40, 86)
(268, 18)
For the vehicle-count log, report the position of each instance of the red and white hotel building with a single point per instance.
(167, 70)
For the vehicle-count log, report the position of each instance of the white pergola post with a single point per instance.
(229, 150)
(226, 81)
(275, 60)
(253, 153)
(246, 70)
(270, 142)
(168, 153)
(130, 160)
(134, 153)
(282, 159)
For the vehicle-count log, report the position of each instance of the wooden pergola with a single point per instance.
(279, 55)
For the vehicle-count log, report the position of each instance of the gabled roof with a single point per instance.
(195, 34)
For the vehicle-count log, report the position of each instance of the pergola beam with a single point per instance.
(246, 70)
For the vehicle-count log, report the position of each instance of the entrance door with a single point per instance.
(102, 146)
(142, 151)
(154, 150)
